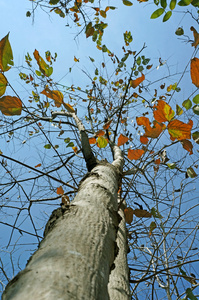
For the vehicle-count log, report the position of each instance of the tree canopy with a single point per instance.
(123, 97)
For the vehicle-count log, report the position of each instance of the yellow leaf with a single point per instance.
(102, 142)
(6, 56)
(43, 66)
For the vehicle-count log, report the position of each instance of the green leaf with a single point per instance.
(155, 213)
(28, 14)
(163, 3)
(152, 227)
(6, 56)
(179, 31)
(184, 2)
(71, 144)
(53, 2)
(195, 3)
(190, 294)
(172, 4)
(3, 84)
(138, 61)
(195, 136)
(102, 142)
(196, 109)
(196, 99)
(67, 140)
(171, 166)
(167, 16)
(187, 104)
(47, 146)
(179, 110)
(127, 3)
(157, 13)
(191, 173)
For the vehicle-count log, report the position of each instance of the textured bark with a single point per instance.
(75, 258)
(118, 286)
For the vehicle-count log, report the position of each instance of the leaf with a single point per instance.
(142, 213)
(92, 140)
(187, 104)
(10, 106)
(37, 166)
(184, 2)
(187, 145)
(179, 31)
(53, 2)
(152, 227)
(43, 66)
(155, 213)
(167, 16)
(6, 56)
(3, 84)
(195, 136)
(163, 3)
(191, 173)
(127, 3)
(122, 140)
(163, 111)
(47, 146)
(190, 294)
(57, 96)
(135, 154)
(152, 132)
(75, 149)
(157, 13)
(107, 124)
(102, 142)
(68, 107)
(144, 139)
(179, 110)
(195, 71)
(60, 191)
(136, 82)
(171, 166)
(196, 99)
(196, 109)
(172, 4)
(196, 37)
(76, 59)
(128, 214)
(100, 133)
(179, 130)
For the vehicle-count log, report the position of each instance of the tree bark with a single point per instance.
(77, 254)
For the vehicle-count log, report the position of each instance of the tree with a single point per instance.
(140, 173)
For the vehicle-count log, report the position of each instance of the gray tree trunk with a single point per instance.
(78, 254)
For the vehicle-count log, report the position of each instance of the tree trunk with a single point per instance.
(77, 255)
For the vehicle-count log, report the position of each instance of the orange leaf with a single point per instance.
(163, 111)
(107, 124)
(143, 139)
(57, 96)
(68, 107)
(37, 166)
(195, 71)
(135, 154)
(92, 140)
(187, 145)
(136, 82)
(100, 133)
(196, 37)
(152, 132)
(179, 130)
(75, 149)
(157, 161)
(128, 214)
(76, 59)
(141, 213)
(122, 140)
(60, 190)
(10, 106)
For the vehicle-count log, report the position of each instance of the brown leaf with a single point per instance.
(196, 37)
(135, 154)
(128, 214)
(195, 71)
(142, 213)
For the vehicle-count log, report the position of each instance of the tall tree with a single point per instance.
(129, 159)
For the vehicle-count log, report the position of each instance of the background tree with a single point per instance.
(158, 174)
